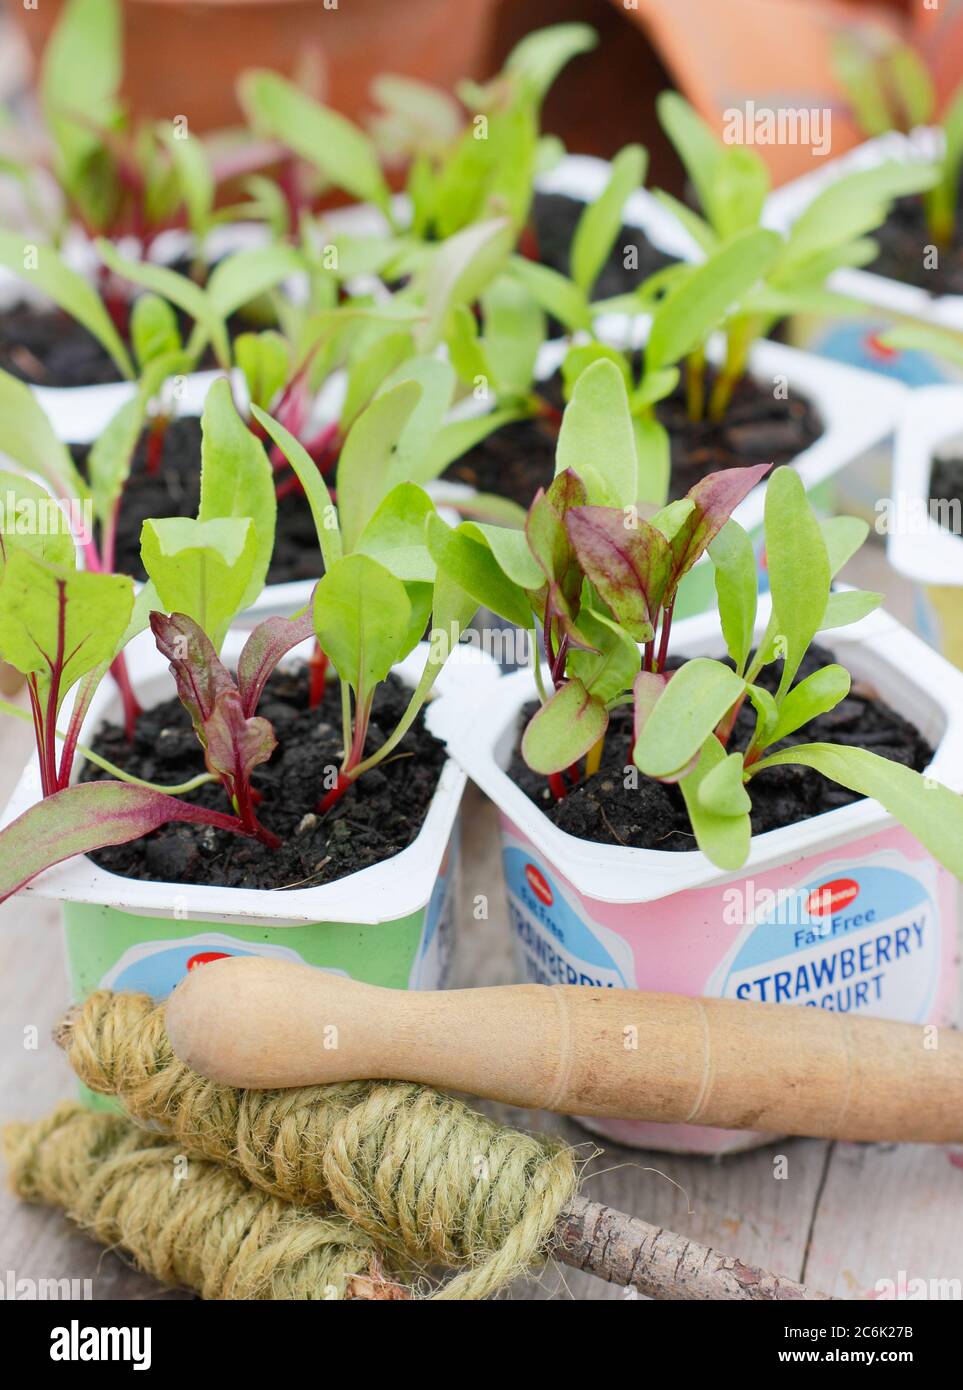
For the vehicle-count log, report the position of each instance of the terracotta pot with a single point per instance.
(183, 56)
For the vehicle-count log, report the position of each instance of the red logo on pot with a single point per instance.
(539, 885)
(831, 897)
(204, 957)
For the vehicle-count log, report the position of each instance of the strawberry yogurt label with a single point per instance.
(864, 941)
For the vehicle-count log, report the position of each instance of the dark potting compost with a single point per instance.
(905, 243)
(378, 818)
(46, 348)
(174, 490)
(518, 459)
(946, 492)
(652, 814)
(555, 217)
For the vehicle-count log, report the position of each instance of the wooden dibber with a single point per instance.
(257, 1022)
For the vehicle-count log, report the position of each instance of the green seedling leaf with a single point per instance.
(848, 606)
(41, 266)
(475, 571)
(457, 273)
(627, 560)
(195, 178)
(654, 455)
(30, 442)
(514, 332)
(201, 568)
(564, 729)
(597, 431)
(854, 205)
(927, 809)
(647, 690)
(693, 703)
(395, 534)
(80, 819)
(538, 58)
(725, 839)
(817, 694)
(79, 84)
(31, 520)
(510, 548)
(601, 221)
(180, 290)
(740, 185)
(608, 660)
(237, 480)
(323, 511)
(698, 229)
(57, 623)
(767, 713)
(843, 536)
(688, 314)
(582, 355)
(110, 459)
(320, 135)
(369, 370)
(361, 617)
(693, 140)
(437, 382)
(737, 589)
(454, 439)
(798, 565)
(721, 790)
(242, 277)
(265, 360)
(367, 459)
(153, 329)
(554, 292)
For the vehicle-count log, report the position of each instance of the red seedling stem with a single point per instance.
(318, 668)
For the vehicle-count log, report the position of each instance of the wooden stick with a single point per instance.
(660, 1264)
(257, 1022)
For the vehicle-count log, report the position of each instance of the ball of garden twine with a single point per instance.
(420, 1172)
(192, 1223)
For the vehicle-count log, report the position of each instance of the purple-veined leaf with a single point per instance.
(716, 497)
(234, 743)
(549, 543)
(88, 817)
(198, 671)
(627, 560)
(267, 644)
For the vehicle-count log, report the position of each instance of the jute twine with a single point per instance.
(420, 1173)
(195, 1223)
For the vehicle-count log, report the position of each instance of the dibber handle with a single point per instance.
(256, 1022)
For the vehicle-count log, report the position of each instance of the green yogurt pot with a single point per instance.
(390, 924)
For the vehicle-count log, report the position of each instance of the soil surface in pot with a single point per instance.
(555, 217)
(518, 459)
(653, 814)
(946, 489)
(174, 490)
(379, 817)
(903, 239)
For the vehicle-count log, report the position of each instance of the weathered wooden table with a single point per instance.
(839, 1217)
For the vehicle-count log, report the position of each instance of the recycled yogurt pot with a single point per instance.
(917, 544)
(390, 924)
(844, 911)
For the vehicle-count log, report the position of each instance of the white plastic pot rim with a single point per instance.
(908, 674)
(385, 892)
(877, 291)
(916, 544)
